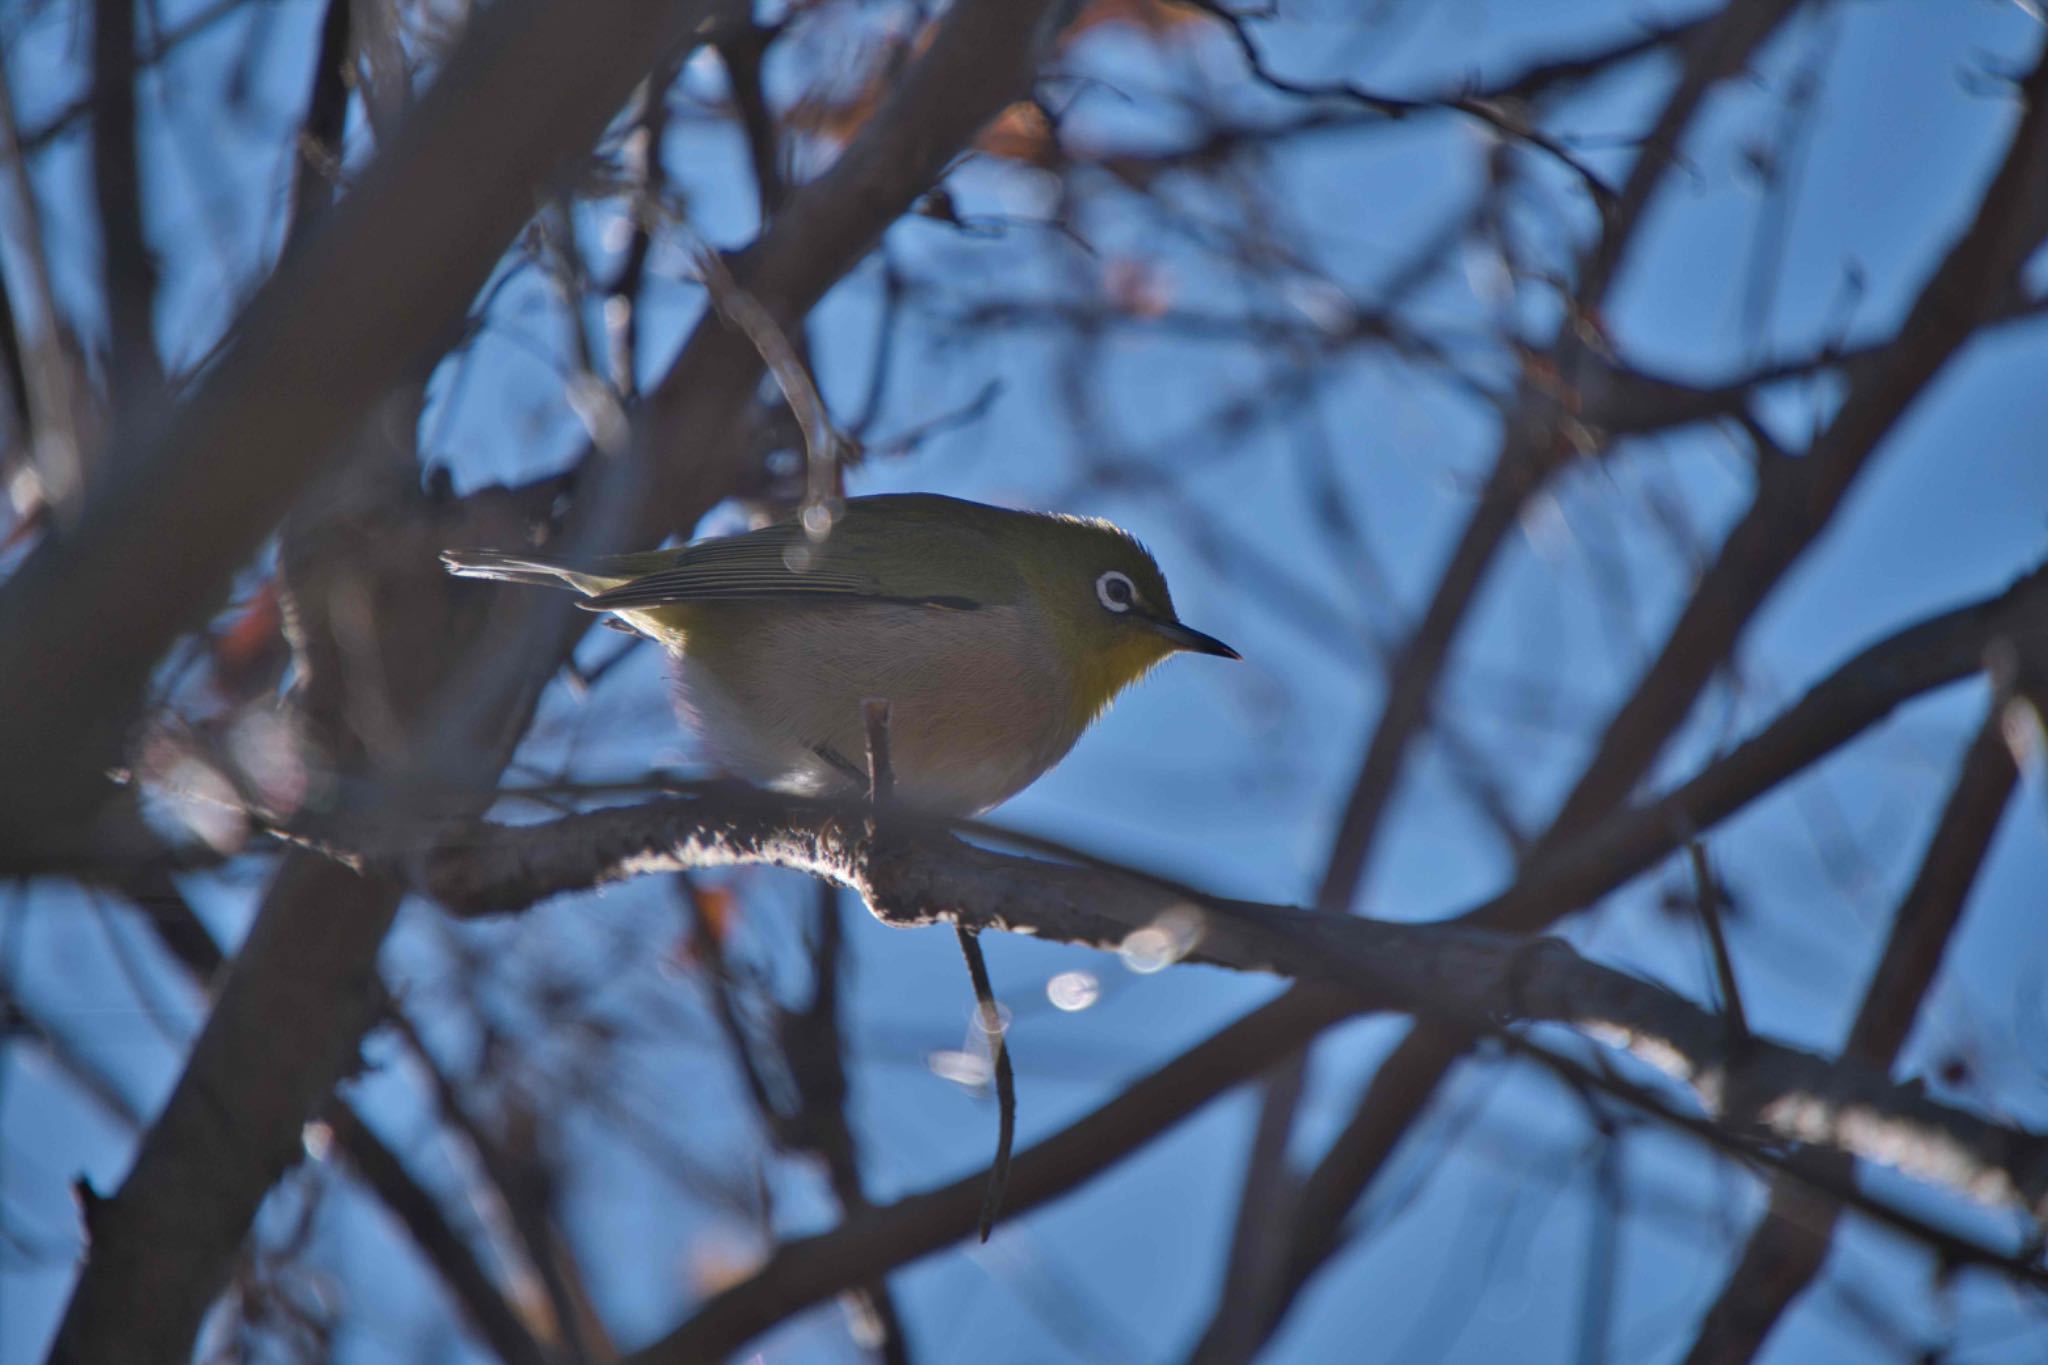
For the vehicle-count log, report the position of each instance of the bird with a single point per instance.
(997, 637)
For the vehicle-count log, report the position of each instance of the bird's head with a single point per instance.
(1107, 605)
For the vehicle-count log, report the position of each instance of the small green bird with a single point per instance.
(997, 637)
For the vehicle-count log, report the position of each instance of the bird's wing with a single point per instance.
(777, 562)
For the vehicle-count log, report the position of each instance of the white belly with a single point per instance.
(977, 707)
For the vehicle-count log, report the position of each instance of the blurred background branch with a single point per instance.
(1599, 426)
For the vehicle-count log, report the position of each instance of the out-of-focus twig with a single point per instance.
(1707, 891)
(128, 276)
(1791, 1240)
(823, 443)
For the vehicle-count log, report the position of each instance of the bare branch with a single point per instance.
(1498, 116)
(909, 880)
(1716, 54)
(314, 352)
(316, 169)
(807, 1270)
(823, 442)
(1531, 448)
(178, 926)
(1793, 503)
(1790, 1242)
(380, 1168)
(127, 264)
(1707, 900)
(289, 1016)
(989, 1016)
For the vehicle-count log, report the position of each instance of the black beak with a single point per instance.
(1193, 641)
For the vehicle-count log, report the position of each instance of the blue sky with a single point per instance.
(1229, 775)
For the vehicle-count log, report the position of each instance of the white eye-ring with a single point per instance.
(1114, 591)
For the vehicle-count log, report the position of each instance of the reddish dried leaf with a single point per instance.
(1158, 19)
(247, 646)
(1136, 288)
(1020, 133)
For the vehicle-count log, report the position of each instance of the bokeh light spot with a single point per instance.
(1073, 991)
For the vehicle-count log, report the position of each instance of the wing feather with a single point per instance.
(771, 562)
(960, 568)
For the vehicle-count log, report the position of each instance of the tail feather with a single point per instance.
(510, 568)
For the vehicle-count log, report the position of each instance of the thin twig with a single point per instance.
(128, 271)
(991, 1018)
(874, 714)
(881, 781)
(647, 168)
(822, 440)
(1497, 115)
(973, 410)
(1717, 939)
(316, 168)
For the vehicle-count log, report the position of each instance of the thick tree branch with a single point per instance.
(178, 927)
(161, 1248)
(311, 354)
(923, 878)
(291, 1010)
(1438, 971)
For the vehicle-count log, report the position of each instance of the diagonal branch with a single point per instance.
(810, 1269)
(1719, 52)
(1785, 1252)
(1530, 450)
(312, 353)
(1855, 696)
(1794, 502)
(381, 1169)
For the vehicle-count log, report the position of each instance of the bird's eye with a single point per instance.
(1114, 591)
